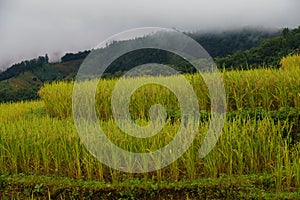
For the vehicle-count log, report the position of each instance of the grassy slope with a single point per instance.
(24, 80)
(48, 73)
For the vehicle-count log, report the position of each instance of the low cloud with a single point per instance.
(33, 27)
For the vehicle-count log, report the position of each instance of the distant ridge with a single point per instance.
(232, 49)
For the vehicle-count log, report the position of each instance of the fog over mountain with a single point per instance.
(29, 28)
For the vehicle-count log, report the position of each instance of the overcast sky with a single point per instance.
(29, 28)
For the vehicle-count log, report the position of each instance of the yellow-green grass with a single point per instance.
(15, 111)
(32, 142)
(291, 61)
(38, 144)
(270, 89)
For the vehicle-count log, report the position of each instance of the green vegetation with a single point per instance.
(228, 42)
(217, 44)
(24, 83)
(45, 187)
(51, 146)
(270, 89)
(22, 67)
(290, 62)
(71, 56)
(256, 157)
(269, 53)
(37, 144)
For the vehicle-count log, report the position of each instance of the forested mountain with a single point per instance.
(244, 49)
(28, 65)
(267, 54)
(218, 44)
(226, 43)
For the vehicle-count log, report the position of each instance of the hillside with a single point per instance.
(268, 53)
(22, 81)
(225, 43)
(24, 85)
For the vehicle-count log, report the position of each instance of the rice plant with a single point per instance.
(270, 89)
(45, 145)
(40, 137)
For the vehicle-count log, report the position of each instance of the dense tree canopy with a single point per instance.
(267, 54)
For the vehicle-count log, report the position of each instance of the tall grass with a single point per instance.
(20, 110)
(267, 88)
(34, 142)
(51, 146)
(292, 61)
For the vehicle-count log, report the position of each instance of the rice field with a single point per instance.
(45, 145)
(268, 88)
(40, 137)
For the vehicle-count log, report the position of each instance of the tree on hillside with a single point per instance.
(268, 53)
(28, 65)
